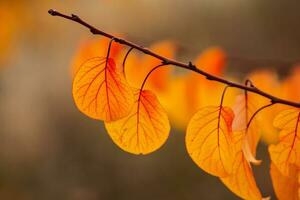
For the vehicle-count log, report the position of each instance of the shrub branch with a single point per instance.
(167, 61)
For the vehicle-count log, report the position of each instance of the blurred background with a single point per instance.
(49, 150)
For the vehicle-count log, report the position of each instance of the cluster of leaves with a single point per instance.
(221, 137)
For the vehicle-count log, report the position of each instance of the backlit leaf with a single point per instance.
(241, 181)
(145, 129)
(285, 187)
(100, 90)
(92, 48)
(287, 150)
(209, 140)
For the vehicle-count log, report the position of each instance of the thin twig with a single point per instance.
(256, 112)
(168, 61)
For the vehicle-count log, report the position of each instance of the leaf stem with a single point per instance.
(256, 112)
(125, 58)
(150, 72)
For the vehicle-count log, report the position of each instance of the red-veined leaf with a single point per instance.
(209, 140)
(242, 181)
(287, 150)
(91, 48)
(145, 129)
(100, 90)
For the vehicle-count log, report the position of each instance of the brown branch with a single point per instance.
(167, 61)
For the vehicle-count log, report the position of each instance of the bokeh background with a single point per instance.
(49, 150)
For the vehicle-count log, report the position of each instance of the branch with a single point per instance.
(167, 61)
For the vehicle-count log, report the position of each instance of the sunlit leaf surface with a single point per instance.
(209, 140)
(287, 150)
(241, 181)
(145, 129)
(97, 47)
(100, 90)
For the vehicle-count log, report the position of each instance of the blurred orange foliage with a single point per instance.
(218, 137)
(7, 32)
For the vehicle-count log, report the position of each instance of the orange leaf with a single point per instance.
(244, 108)
(241, 181)
(209, 140)
(100, 90)
(94, 48)
(285, 187)
(145, 129)
(287, 151)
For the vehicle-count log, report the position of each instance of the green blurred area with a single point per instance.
(49, 150)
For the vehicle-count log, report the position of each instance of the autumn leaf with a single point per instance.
(244, 108)
(92, 48)
(287, 150)
(242, 181)
(285, 187)
(209, 140)
(145, 129)
(100, 90)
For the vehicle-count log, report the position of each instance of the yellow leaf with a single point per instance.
(209, 140)
(145, 129)
(242, 181)
(287, 150)
(285, 187)
(100, 90)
